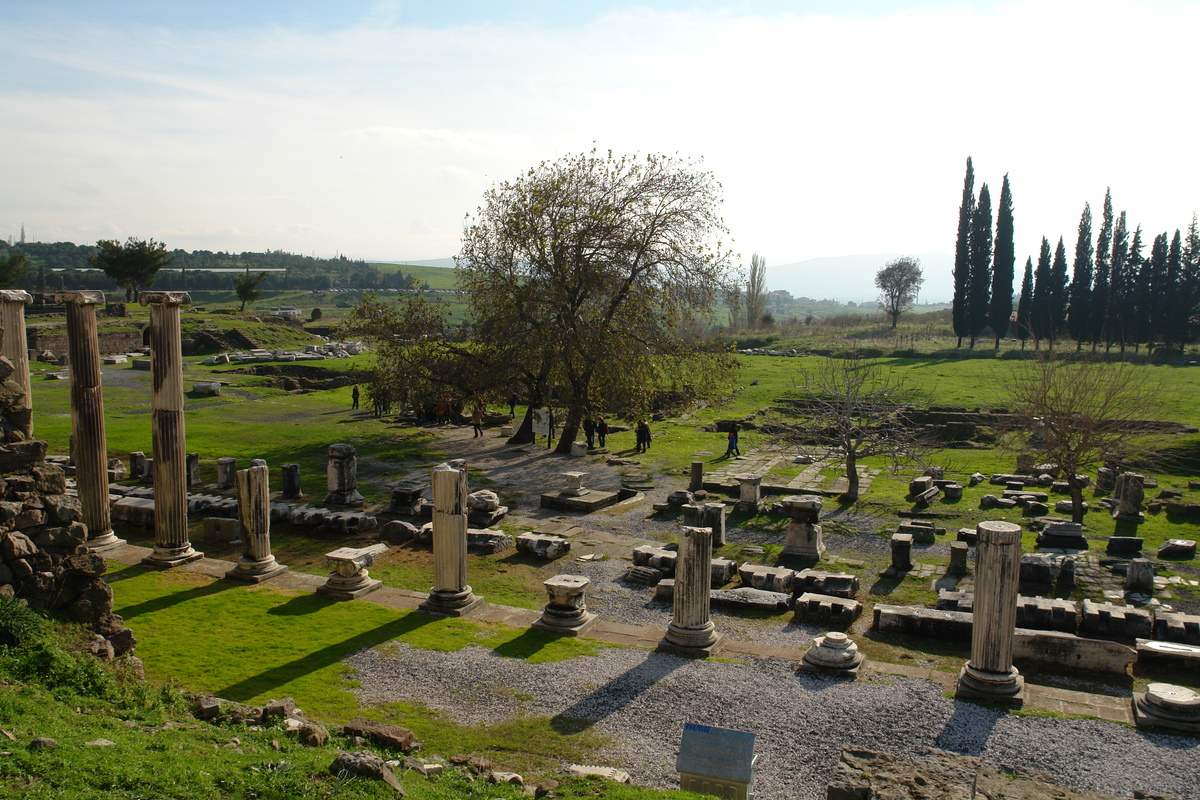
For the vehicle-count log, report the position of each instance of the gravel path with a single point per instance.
(640, 701)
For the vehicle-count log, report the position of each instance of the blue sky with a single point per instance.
(373, 128)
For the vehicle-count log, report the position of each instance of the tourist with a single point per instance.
(732, 450)
(354, 397)
(512, 405)
(643, 436)
(601, 430)
(477, 420)
(589, 431)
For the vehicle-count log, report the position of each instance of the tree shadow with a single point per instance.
(616, 694)
(267, 680)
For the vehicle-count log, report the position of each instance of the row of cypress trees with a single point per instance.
(1115, 294)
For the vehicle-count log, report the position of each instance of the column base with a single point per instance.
(1006, 688)
(693, 642)
(107, 541)
(346, 590)
(570, 625)
(255, 571)
(168, 557)
(451, 604)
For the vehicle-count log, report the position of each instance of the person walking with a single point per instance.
(354, 395)
(601, 430)
(589, 431)
(732, 450)
(477, 420)
(643, 436)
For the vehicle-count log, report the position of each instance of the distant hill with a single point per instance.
(828, 278)
(853, 277)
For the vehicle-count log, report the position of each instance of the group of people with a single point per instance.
(595, 429)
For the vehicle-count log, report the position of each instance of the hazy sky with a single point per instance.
(372, 128)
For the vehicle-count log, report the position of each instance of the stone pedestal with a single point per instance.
(990, 675)
(87, 417)
(171, 545)
(958, 558)
(691, 631)
(835, 653)
(12, 347)
(254, 512)
(137, 465)
(148, 473)
(350, 579)
(342, 475)
(1129, 509)
(226, 470)
(451, 594)
(407, 498)
(714, 519)
(1164, 705)
(193, 469)
(902, 552)
(696, 483)
(567, 610)
(1140, 577)
(291, 482)
(749, 493)
(804, 538)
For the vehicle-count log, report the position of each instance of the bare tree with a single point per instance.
(853, 409)
(756, 291)
(898, 282)
(1081, 411)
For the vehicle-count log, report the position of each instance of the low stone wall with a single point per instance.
(112, 342)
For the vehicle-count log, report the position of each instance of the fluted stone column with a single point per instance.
(171, 545)
(990, 675)
(193, 469)
(254, 512)
(87, 417)
(450, 594)
(691, 630)
(12, 347)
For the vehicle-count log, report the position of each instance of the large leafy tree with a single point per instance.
(1003, 264)
(898, 282)
(12, 268)
(962, 256)
(1081, 281)
(602, 265)
(133, 265)
(756, 291)
(980, 282)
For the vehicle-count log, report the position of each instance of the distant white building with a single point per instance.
(287, 312)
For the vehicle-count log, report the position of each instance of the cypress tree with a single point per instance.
(1081, 280)
(1100, 287)
(962, 255)
(1058, 292)
(1025, 304)
(1039, 310)
(1003, 262)
(1118, 285)
(980, 282)
(1179, 309)
(1153, 282)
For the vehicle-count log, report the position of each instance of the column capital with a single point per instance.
(165, 298)
(15, 296)
(83, 297)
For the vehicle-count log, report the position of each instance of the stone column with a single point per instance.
(171, 545)
(342, 476)
(450, 593)
(1140, 577)
(714, 518)
(1129, 509)
(902, 552)
(697, 477)
(87, 417)
(990, 675)
(12, 347)
(137, 465)
(958, 558)
(804, 538)
(291, 482)
(226, 471)
(567, 610)
(254, 512)
(691, 630)
(193, 469)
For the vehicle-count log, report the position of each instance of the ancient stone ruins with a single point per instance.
(59, 516)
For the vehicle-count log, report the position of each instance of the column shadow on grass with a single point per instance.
(265, 682)
(172, 599)
(616, 694)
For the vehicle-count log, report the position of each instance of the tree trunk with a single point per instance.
(569, 431)
(524, 434)
(851, 492)
(895, 319)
